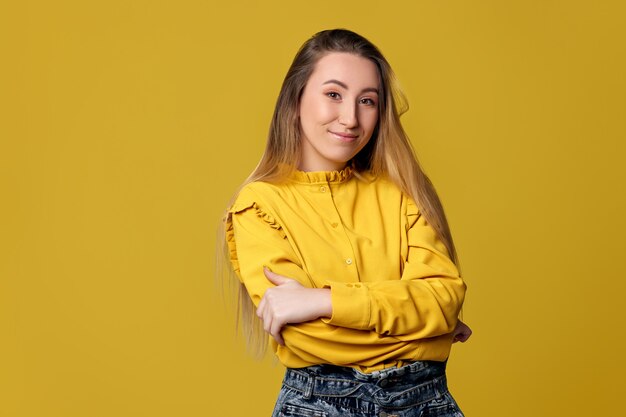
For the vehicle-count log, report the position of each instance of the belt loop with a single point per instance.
(308, 389)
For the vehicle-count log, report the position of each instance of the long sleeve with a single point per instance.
(424, 302)
(395, 293)
(255, 239)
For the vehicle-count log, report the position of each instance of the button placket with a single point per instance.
(325, 189)
(326, 194)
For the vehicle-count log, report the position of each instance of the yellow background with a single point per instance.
(125, 126)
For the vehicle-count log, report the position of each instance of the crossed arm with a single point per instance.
(290, 302)
(424, 303)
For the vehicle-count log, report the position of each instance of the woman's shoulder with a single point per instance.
(382, 184)
(249, 195)
(260, 192)
(391, 193)
(250, 199)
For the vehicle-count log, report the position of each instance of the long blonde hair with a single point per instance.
(389, 152)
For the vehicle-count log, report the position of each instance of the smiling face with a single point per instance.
(338, 111)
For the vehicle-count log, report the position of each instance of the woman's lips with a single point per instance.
(344, 137)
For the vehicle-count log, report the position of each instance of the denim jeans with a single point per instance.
(418, 389)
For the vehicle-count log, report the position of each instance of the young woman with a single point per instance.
(340, 246)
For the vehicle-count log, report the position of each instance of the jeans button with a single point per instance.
(383, 383)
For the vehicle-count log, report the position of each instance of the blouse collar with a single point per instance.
(315, 177)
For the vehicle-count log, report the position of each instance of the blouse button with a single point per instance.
(323, 189)
(349, 261)
(335, 224)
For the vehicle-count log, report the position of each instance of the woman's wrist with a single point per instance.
(325, 303)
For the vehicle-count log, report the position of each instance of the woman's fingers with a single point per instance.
(260, 308)
(266, 312)
(271, 324)
(275, 278)
(462, 332)
(460, 338)
(275, 330)
(288, 302)
(465, 335)
(267, 320)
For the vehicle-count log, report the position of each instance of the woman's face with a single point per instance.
(338, 111)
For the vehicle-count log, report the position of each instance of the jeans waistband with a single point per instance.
(340, 381)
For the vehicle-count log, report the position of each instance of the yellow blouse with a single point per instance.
(395, 293)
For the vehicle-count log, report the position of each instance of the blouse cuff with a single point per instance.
(351, 305)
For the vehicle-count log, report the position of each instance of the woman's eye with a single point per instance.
(368, 101)
(332, 94)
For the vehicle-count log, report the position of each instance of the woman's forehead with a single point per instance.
(345, 70)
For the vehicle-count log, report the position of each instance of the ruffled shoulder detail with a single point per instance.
(238, 207)
(412, 212)
(262, 214)
(420, 233)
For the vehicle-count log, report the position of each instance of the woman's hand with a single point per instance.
(290, 302)
(461, 332)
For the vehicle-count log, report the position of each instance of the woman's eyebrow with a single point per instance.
(372, 89)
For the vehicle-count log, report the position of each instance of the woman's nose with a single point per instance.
(348, 116)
